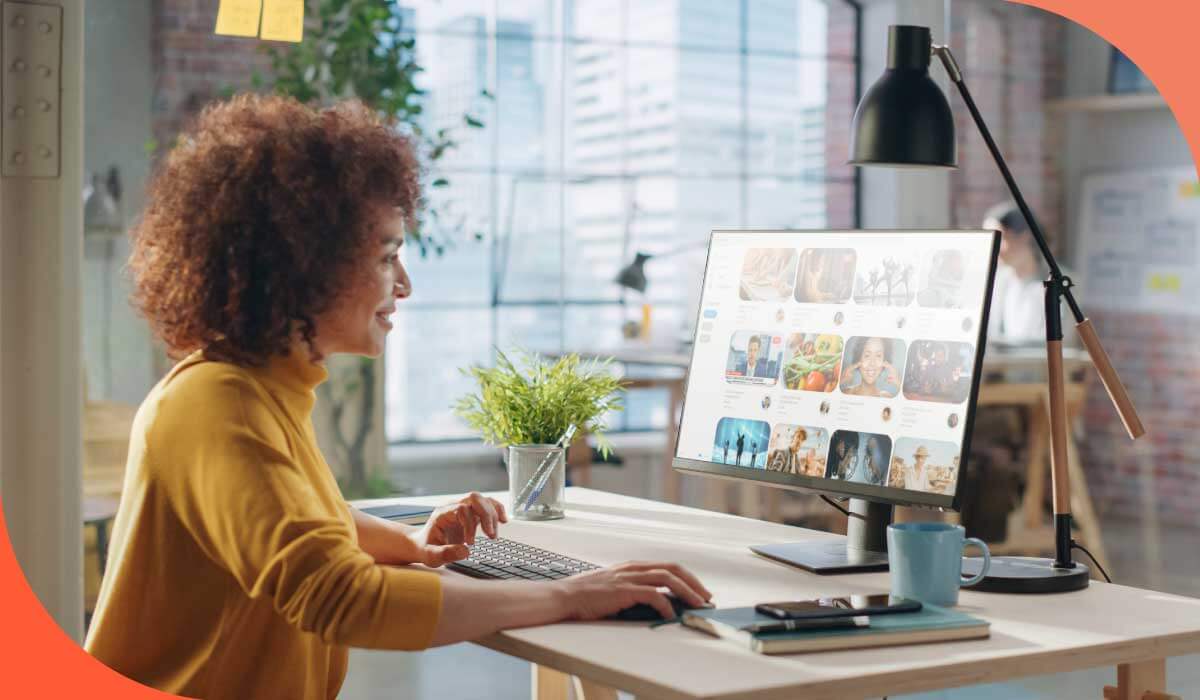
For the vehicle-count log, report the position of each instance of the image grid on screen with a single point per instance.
(845, 356)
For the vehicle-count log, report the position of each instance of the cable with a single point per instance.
(844, 512)
(1076, 545)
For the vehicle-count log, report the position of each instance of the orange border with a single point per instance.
(39, 660)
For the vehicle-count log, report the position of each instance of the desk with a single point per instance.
(1103, 625)
(1014, 376)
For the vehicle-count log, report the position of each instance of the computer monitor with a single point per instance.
(840, 362)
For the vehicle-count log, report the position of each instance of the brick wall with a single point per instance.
(193, 65)
(1156, 357)
(1012, 61)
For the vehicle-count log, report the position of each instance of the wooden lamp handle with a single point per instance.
(1112, 382)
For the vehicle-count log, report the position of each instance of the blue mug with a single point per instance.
(925, 560)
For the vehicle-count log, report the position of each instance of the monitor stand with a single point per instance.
(863, 549)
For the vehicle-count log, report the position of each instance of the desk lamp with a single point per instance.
(903, 121)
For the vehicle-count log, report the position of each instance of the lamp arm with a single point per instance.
(1108, 374)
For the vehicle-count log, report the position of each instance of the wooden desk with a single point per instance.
(1103, 625)
(1012, 376)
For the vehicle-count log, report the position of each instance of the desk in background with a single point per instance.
(1102, 625)
(1012, 376)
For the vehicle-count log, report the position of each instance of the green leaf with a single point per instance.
(531, 400)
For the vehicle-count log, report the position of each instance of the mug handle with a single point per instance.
(987, 561)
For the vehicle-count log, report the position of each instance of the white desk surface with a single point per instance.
(1102, 625)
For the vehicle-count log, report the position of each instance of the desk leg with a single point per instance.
(549, 684)
(588, 690)
(1035, 474)
(1144, 680)
(670, 478)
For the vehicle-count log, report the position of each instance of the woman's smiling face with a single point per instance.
(359, 319)
(871, 361)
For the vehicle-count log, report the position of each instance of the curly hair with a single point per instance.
(258, 218)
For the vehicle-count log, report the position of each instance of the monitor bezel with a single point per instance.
(822, 485)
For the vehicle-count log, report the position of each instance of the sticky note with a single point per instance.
(238, 17)
(283, 20)
(1189, 189)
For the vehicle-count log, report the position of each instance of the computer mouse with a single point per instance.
(643, 612)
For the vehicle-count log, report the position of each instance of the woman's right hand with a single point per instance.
(597, 594)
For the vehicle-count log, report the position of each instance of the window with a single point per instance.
(610, 126)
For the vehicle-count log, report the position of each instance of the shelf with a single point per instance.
(1107, 103)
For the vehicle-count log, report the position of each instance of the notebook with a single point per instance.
(930, 624)
(401, 513)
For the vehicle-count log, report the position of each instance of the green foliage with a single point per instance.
(359, 48)
(534, 401)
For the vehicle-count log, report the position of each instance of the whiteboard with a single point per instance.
(1138, 240)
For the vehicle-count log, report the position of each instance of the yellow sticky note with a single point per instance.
(283, 20)
(238, 17)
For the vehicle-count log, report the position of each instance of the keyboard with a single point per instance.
(507, 559)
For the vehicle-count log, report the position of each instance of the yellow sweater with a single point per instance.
(234, 569)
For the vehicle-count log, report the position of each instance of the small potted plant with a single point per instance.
(534, 409)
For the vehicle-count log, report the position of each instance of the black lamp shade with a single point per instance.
(904, 119)
(633, 275)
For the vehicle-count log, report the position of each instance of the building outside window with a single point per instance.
(609, 127)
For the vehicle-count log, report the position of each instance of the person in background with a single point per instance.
(270, 241)
(1018, 297)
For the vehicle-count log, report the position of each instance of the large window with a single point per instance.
(609, 127)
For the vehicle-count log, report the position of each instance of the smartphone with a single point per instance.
(847, 606)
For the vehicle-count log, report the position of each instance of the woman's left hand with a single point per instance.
(451, 528)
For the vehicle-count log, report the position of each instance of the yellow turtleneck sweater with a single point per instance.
(234, 569)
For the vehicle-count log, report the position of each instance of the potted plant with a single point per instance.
(534, 408)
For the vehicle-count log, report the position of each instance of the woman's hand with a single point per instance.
(893, 375)
(451, 528)
(597, 594)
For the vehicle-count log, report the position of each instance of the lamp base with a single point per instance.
(1026, 575)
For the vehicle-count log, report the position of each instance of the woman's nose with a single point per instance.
(403, 286)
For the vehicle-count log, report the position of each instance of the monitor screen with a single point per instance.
(840, 361)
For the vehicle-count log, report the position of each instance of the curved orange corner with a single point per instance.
(39, 660)
(1155, 36)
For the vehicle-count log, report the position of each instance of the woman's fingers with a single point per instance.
(652, 597)
(467, 521)
(485, 511)
(669, 580)
(676, 570)
(439, 554)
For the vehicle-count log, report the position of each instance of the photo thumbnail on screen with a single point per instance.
(859, 457)
(812, 361)
(885, 280)
(939, 370)
(741, 442)
(753, 358)
(944, 283)
(825, 275)
(767, 274)
(930, 466)
(871, 366)
(798, 449)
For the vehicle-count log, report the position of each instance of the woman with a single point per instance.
(871, 374)
(236, 570)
